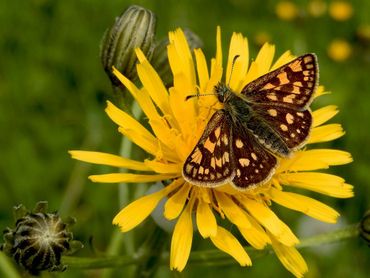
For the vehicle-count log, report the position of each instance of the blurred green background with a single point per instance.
(53, 92)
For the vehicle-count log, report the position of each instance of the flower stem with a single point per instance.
(7, 268)
(208, 256)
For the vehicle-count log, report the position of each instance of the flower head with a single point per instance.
(176, 126)
(39, 239)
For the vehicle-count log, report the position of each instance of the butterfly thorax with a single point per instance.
(246, 118)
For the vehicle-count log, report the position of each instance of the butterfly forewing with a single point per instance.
(252, 163)
(291, 125)
(291, 85)
(270, 118)
(209, 163)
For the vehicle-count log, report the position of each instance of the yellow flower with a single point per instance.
(340, 10)
(176, 125)
(286, 10)
(339, 50)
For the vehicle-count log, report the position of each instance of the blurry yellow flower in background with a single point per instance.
(340, 10)
(286, 10)
(261, 38)
(316, 8)
(339, 50)
(176, 126)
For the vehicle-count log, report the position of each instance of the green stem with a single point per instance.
(123, 199)
(209, 256)
(7, 268)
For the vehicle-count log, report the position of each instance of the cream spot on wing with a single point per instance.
(289, 98)
(213, 163)
(254, 156)
(257, 171)
(201, 170)
(226, 157)
(239, 144)
(219, 162)
(244, 162)
(188, 168)
(292, 135)
(196, 157)
(300, 114)
(307, 59)
(283, 127)
(206, 171)
(212, 177)
(225, 140)
(238, 173)
(298, 131)
(289, 118)
(272, 96)
(217, 132)
(209, 145)
(272, 112)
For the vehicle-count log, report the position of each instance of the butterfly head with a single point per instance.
(223, 92)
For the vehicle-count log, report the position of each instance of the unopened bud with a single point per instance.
(134, 28)
(365, 227)
(39, 239)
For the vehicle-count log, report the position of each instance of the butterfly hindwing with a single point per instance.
(291, 85)
(253, 164)
(209, 164)
(291, 125)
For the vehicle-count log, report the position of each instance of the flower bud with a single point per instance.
(133, 28)
(160, 58)
(365, 227)
(39, 239)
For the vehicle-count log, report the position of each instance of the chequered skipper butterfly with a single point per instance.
(270, 118)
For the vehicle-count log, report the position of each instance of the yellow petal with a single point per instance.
(290, 258)
(181, 60)
(152, 83)
(133, 129)
(315, 159)
(109, 159)
(255, 235)
(232, 211)
(270, 221)
(327, 184)
(202, 69)
(163, 168)
(176, 202)
(305, 205)
(206, 221)
(126, 177)
(285, 58)
(227, 243)
(325, 133)
(238, 47)
(136, 212)
(141, 96)
(320, 92)
(182, 238)
(183, 111)
(218, 58)
(324, 114)
(264, 59)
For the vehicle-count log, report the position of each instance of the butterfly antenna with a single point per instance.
(197, 95)
(232, 67)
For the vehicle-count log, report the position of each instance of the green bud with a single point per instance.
(39, 239)
(134, 28)
(365, 227)
(160, 58)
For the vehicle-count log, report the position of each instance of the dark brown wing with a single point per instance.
(209, 164)
(291, 125)
(292, 85)
(252, 163)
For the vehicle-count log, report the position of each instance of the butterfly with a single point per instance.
(269, 119)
